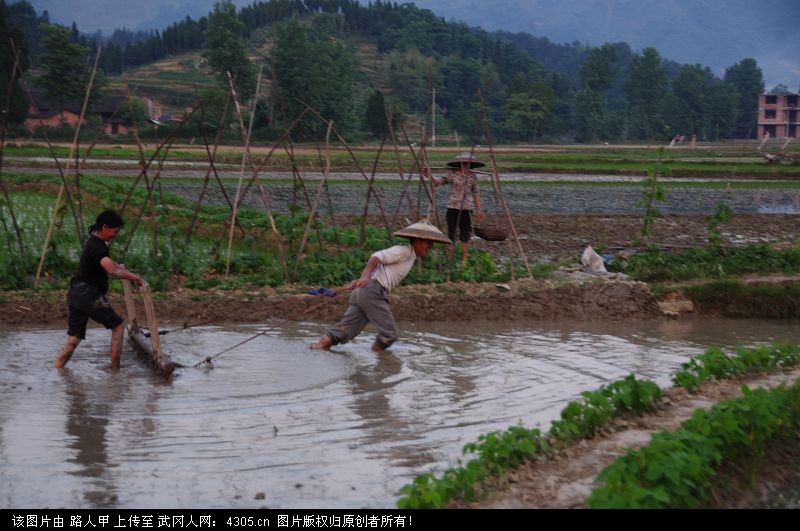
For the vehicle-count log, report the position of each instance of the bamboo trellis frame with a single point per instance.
(69, 160)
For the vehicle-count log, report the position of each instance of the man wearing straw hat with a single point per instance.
(463, 197)
(369, 302)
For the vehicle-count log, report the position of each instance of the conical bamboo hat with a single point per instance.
(474, 162)
(423, 230)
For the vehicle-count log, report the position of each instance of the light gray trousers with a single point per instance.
(369, 304)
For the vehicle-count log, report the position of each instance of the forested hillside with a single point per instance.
(344, 58)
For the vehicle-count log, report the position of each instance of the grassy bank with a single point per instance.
(734, 298)
(714, 161)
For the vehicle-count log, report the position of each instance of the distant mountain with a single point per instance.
(713, 33)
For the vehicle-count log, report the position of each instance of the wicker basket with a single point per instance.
(492, 234)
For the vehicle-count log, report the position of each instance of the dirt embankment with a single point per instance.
(559, 238)
(522, 299)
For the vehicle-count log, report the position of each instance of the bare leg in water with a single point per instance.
(66, 351)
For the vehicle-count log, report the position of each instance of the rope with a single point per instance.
(327, 300)
(208, 360)
(185, 326)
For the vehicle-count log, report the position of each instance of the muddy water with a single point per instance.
(275, 424)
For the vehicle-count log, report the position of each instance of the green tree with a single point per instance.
(645, 91)
(22, 17)
(597, 74)
(588, 115)
(463, 78)
(314, 69)
(11, 93)
(780, 88)
(723, 110)
(376, 115)
(225, 49)
(746, 77)
(527, 112)
(67, 68)
(702, 104)
(135, 112)
(411, 76)
(600, 69)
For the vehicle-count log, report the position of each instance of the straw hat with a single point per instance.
(423, 230)
(474, 162)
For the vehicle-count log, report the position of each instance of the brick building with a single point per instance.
(43, 112)
(778, 115)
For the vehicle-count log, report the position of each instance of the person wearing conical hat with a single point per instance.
(369, 302)
(463, 198)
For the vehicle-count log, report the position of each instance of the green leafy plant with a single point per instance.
(722, 213)
(715, 364)
(654, 265)
(677, 469)
(581, 419)
(496, 452)
(653, 190)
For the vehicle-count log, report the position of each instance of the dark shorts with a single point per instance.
(464, 222)
(85, 301)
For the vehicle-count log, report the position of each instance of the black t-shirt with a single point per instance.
(89, 269)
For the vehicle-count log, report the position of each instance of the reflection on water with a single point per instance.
(307, 428)
(86, 422)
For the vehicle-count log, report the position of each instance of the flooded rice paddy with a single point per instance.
(575, 196)
(275, 424)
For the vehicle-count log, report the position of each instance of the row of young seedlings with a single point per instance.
(639, 480)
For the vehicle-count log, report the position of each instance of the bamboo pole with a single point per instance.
(167, 141)
(255, 170)
(403, 180)
(153, 214)
(500, 197)
(130, 306)
(7, 110)
(211, 165)
(420, 162)
(144, 167)
(355, 161)
(296, 175)
(69, 159)
(149, 196)
(281, 140)
(43, 128)
(362, 235)
(245, 159)
(143, 164)
(511, 271)
(152, 324)
(316, 199)
(150, 187)
(330, 210)
(147, 347)
(80, 164)
(78, 229)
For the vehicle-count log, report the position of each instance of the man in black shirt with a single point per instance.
(87, 292)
